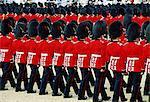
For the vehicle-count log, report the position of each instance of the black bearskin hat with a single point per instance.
(143, 28)
(70, 30)
(5, 27)
(115, 29)
(133, 31)
(23, 20)
(148, 33)
(56, 30)
(33, 28)
(33, 10)
(62, 24)
(12, 21)
(127, 20)
(99, 29)
(48, 21)
(83, 30)
(20, 30)
(43, 30)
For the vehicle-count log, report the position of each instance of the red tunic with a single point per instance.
(82, 53)
(98, 54)
(20, 51)
(32, 48)
(70, 18)
(58, 53)
(147, 57)
(133, 57)
(69, 56)
(45, 52)
(114, 55)
(11, 35)
(5, 48)
(143, 42)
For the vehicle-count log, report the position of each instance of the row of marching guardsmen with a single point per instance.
(62, 56)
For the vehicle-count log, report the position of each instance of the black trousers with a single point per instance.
(129, 83)
(84, 85)
(136, 80)
(118, 87)
(77, 75)
(71, 82)
(7, 75)
(147, 85)
(14, 69)
(34, 77)
(22, 75)
(99, 85)
(91, 78)
(109, 77)
(58, 80)
(47, 77)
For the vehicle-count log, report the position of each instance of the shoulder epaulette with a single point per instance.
(146, 44)
(109, 43)
(8, 37)
(14, 39)
(125, 43)
(76, 42)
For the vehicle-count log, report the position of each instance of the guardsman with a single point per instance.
(83, 57)
(69, 59)
(57, 59)
(20, 52)
(115, 59)
(97, 61)
(45, 52)
(147, 58)
(134, 59)
(5, 54)
(32, 58)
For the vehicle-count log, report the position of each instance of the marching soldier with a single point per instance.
(20, 52)
(45, 52)
(97, 61)
(147, 65)
(5, 55)
(83, 57)
(116, 61)
(69, 59)
(32, 58)
(134, 59)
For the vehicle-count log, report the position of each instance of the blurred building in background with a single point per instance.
(83, 2)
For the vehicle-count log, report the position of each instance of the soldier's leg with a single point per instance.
(25, 77)
(10, 76)
(56, 81)
(102, 89)
(117, 87)
(51, 77)
(44, 81)
(77, 77)
(110, 79)
(70, 81)
(37, 78)
(74, 83)
(129, 84)
(14, 69)
(81, 93)
(91, 78)
(97, 86)
(5, 71)
(20, 76)
(147, 85)
(32, 79)
(136, 77)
